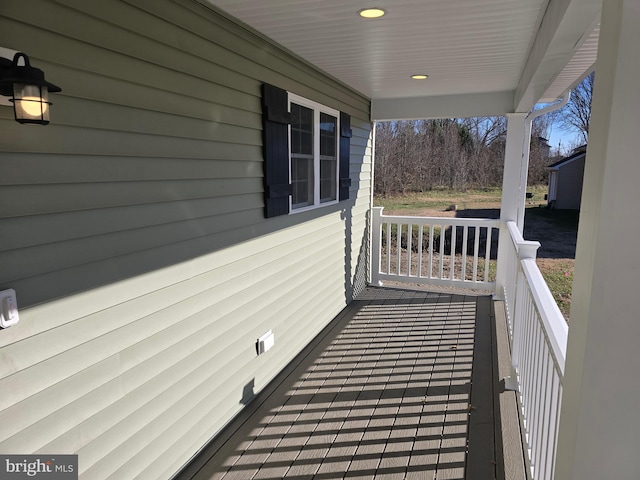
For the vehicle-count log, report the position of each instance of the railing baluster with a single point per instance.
(544, 420)
(557, 400)
(388, 270)
(465, 240)
(420, 250)
(409, 238)
(430, 251)
(452, 252)
(398, 247)
(536, 397)
(529, 352)
(538, 405)
(476, 255)
(442, 252)
(487, 254)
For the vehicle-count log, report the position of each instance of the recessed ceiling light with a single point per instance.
(420, 76)
(371, 12)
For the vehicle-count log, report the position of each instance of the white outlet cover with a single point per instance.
(265, 342)
(8, 308)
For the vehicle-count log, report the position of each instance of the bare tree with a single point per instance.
(486, 129)
(384, 158)
(414, 156)
(574, 117)
(488, 134)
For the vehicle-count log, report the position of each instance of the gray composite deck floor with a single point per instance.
(401, 385)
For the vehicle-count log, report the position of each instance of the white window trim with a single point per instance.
(317, 109)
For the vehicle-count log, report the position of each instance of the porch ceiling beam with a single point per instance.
(444, 106)
(564, 28)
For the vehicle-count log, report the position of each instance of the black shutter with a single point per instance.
(275, 140)
(345, 153)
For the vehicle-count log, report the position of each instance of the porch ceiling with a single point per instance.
(502, 55)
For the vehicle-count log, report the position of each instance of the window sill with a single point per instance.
(312, 207)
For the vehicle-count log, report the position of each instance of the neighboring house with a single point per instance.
(565, 181)
(543, 145)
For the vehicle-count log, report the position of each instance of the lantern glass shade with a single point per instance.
(31, 103)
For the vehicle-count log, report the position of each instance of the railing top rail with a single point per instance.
(516, 236)
(484, 222)
(555, 326)
(519, 243)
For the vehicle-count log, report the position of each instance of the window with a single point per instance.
(306, 149)
(313, 142)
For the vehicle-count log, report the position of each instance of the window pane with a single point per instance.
(328, 181)
(328, 127)
(301, 129)
(302, 156)
(328, 157)
(302, 180)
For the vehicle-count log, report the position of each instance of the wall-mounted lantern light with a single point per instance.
(28, 89)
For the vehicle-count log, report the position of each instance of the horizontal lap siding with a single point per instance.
(134, 235)
(569, 186)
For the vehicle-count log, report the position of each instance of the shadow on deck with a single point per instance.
(402, 384)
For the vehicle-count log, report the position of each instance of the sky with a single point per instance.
(565, 139)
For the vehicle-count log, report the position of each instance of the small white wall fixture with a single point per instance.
(8, 308)
(266, 342)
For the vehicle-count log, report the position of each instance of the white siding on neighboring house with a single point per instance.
(134, 234)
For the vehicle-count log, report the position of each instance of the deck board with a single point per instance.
(482, 459)
(512, 461)
(401, 385)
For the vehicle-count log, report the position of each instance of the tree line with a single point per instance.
(458, 154)
(463, 153)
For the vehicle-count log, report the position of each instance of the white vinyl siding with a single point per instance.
(133, 232)
(569, 180)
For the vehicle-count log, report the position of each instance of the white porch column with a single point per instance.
(600, 420)
(516, 164)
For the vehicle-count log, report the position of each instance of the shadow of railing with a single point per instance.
(386, 389)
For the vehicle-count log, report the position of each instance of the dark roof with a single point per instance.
(575, 155)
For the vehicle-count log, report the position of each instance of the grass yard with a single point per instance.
(438, 200)
(556, 230)
(558, 274)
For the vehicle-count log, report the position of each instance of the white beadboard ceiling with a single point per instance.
(482, 56)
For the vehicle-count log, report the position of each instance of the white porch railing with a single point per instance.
(539, 341)
(433, 250)
(457, 252)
